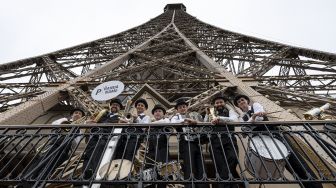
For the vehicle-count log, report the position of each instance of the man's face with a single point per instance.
(219, 104)
(182, 109)
(242, 103)
(115, 107)
(140, 108)
(76, 115)
(158, 114)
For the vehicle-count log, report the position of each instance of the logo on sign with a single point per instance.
(107, 90)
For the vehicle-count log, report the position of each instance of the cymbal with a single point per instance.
(123, 167)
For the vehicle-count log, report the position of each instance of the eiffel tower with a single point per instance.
(176, 55)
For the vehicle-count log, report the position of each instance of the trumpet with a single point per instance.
(127, 116)
(79, 121)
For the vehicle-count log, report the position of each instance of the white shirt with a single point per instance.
(145, 119)
(256, 108)
(233, 116)
(164, 120)
(179, 118)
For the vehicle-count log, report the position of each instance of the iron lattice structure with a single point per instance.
(175, 55)
(166, 50)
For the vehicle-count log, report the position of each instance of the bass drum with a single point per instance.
(266, 155)
(117, 169)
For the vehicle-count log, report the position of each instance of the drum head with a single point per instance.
(268, 148)
(123, 167)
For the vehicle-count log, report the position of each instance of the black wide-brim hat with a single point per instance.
(77, 109)
(240, 96)
(181, 101)
(118, 101)
(158, 107)
(143, 101)
(219, 96)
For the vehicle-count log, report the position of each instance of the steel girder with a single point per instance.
(165, 60)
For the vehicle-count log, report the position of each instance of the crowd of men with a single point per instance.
(223, 147)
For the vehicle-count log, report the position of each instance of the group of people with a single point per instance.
(223, 146)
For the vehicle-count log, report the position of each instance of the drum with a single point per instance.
(263, 150)
(117, 169)
(172, 168)
(149, 174)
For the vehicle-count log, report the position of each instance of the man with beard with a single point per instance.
(224, 147)
(96, 145)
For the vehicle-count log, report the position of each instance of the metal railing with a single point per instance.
(302, 153)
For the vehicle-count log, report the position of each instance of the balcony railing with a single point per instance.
(301, 153)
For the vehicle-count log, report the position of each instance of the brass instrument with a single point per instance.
(79, 121)
(316, 112)
(99, 115)
(127, 116)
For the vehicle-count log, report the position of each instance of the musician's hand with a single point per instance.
(260, 114)
(190, 121)
(215, 121)
(122, 120)
(90, 121)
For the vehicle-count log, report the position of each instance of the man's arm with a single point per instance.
(258, 112)
(233, 116)
(59, 121)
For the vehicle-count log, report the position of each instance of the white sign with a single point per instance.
(107, 90)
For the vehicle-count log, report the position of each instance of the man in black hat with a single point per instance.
(189, 148)
(256, 113)
(114, 115)
(141, 106)
(159, 113)
(75, 114)
(128, 146)
(39, 168)
(225, 150)
(252, 113)
(158, 143)
(96, 145)
(158, 154)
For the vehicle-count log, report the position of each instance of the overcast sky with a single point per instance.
(34, 27)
